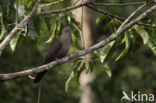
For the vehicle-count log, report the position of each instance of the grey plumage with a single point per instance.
(58, 49)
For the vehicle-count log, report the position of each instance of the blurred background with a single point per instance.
(135, 71)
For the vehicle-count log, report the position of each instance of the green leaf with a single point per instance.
(152, 41)
(68, 82)
(108, 70)
(59, 27)
(69, 18)
(105, 51)
(99, 19)
(53, 33)
(75, 73)
(127, 46)
(42, 31)
(39, 9)
(4, 30)
(143, 33)
(88, 65)
(113, 48)
(152, 45)
(96, 53)
(29, 3)
(14, 41)
(111, 26)
(79, 69)
(75, 41)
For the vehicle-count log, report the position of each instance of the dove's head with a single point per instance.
(67, 29)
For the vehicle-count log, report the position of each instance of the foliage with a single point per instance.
(131, 55)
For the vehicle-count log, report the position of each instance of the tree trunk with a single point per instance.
(88, 27)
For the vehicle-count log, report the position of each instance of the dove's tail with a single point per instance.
(39, 76)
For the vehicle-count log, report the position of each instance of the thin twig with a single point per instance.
(132, 15)
(76, 27)
(105, 13)
(39, 92)
(65, 9)
(9, 76)
(8, 25)
(119, 4)
(50, 4)
(117, 17)
(143, 15)
(74, 3)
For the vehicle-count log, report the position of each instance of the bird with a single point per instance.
(58, 49)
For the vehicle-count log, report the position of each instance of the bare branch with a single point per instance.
(9, 76)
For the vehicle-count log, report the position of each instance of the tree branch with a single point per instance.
(17, 28)
(32, 14)
(50, 4)
(117, 17)
(120, 4)
(9, 76)
(65, 9)
(132, 14)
